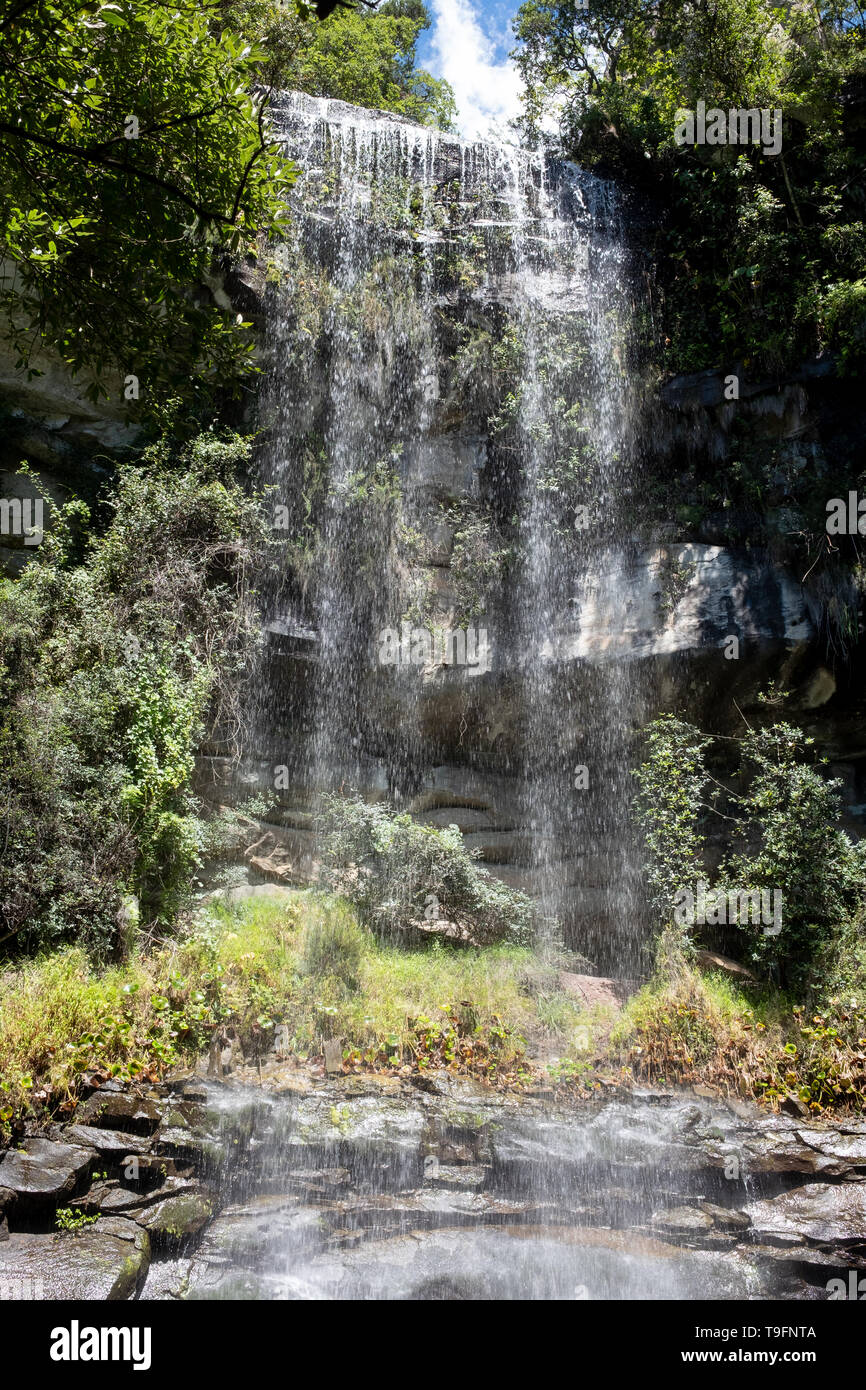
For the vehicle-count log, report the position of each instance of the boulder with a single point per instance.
(177, 1218)
(683, 1220)
(820, 1214)
(108, 1143)
(43, 1173)
(124, 1111)
(107, 1261)
(186, 1146)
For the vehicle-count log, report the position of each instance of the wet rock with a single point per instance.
(561, 1152)
(204, 1153)
(319, 1182)
(725, 1217)
(460, 1135)
(108, 1143)
(130, 1113)
(792, 1105)
(265, 1230)
(468, 1177)
(113, 1198)
(464, 1264)
(43, 1173)
(433, 1084)
(847, 1151)
(809, 1258)
(149, 1170)
(794, 1152)
(106, 1261)
(683, 1220)
(820, 1213)
(177, 1218)
(109, 1199)
(446, 1207)
(167, 1279)
(193, 1088)
(367, 1170)
(378, 1138)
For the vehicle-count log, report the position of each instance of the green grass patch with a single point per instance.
(305, 963)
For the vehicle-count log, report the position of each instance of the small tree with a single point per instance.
(668, 806)
(789, 818)
(785, 833)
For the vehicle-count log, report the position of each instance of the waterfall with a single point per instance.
(449, 429)
(449, 358)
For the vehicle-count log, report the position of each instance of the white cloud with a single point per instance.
(487, 91)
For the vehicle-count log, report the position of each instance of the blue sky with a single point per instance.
(468, 43)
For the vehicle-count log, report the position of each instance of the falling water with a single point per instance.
(453, 340)
(449, 356)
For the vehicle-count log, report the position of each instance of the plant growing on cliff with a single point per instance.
(405, 878)
(479, 559)
(109, 668)
(68, 1221)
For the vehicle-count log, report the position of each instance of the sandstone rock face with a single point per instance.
(460, 247)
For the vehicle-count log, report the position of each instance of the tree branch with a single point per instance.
(86, 156)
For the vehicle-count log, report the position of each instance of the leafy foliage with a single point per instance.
(108, 669)
(404, 877)
(759, 258)
(785, 837)
(789, 812)
(672, 782)
(357, 55)
(111, 240)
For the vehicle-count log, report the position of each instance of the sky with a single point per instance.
(468, 44)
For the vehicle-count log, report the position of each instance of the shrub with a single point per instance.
(333, 944)
(668, 805)
(784, 829)
(404, 877)
(790, 812)
(109, 668)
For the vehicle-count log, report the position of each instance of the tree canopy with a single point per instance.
(758, 257)
(132, 151)
(357, 54)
